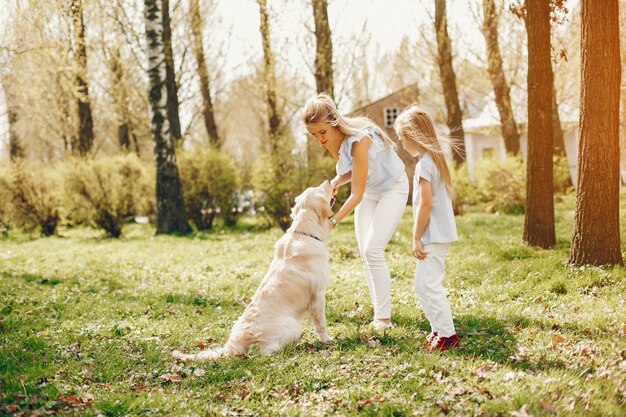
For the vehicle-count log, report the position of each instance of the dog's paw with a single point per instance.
(325, 338)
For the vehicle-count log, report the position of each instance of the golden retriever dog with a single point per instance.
(293, 289)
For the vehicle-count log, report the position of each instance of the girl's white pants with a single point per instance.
(429, 275)
(376, 219)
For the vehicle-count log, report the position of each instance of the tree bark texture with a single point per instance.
(539, 219)
(85, 129)
(596, 238)
(197, 24)
(448, 81)
(269, 65)
(171, 217)
(170, 76)
(510, 134)
(323, 49)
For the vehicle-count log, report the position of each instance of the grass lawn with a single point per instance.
(87, 325)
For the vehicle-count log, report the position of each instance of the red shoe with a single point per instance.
(444, 343)
(429, 339)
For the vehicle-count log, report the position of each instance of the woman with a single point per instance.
(365, 157)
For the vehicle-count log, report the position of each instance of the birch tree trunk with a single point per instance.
(120, 98)
(197, 24)
(448, 81)
(171, 217)
(539, 219)
(85, 130)
(498, 80)
(596, 238)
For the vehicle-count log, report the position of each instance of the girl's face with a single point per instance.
(410, 146)
(325, 133)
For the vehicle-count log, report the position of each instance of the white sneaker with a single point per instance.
(381, 325)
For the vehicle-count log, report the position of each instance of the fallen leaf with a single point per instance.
(171, 377)
(202, 345)
(11, 408)
(547, 406)
(199, 372)
(444, 408)
(556, 339)
(374, 399)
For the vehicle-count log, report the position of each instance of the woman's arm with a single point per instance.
(423, 214)
(358, 177)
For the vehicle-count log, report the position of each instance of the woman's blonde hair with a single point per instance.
(322, 109)
(416, 125)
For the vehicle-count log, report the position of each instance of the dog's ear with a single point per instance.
(299, 203)
(322, 207)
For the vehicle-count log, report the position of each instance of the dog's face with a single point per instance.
(316, 199)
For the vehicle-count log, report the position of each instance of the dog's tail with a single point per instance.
(205, 355)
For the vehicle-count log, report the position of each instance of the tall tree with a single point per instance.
(171, 217)
(498, 80)
(448, 80)
(85, 132)
(323, 48)
(596, 238)
(539, 219)
(16, 150)
(170, 75)
(197, 24)
(557, 130)
(120, 98)
(269, 67)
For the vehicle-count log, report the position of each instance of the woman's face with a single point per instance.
(325, 133)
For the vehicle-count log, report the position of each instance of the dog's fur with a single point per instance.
(293, 289)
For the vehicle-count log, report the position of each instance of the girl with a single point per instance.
(365, 157)
(434, 227)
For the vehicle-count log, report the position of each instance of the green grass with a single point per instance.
(88, 324)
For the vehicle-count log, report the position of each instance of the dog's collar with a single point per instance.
(306, 234)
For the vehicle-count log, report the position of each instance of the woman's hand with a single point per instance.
(335, 183)
(418, 249)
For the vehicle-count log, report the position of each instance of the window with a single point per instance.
(391, 114)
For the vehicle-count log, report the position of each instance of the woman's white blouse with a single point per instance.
(384, 166)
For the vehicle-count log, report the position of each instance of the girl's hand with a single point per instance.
(418, 249)
(335, 183)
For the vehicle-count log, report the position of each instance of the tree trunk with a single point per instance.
(559, 139)
(170, 75)
(15, 147)
(596, 238)
(539, 219)
(85, 130)
(496, 73)
(205, 81)
(171, 217)
(323, 49)
(448, 81)
(120, 98)
(270, 79)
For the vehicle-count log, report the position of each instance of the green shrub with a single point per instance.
(108, 192)
(502, 184)
(464, 190)
(34, 192)
(561, 175)
(279, 179)
(209, 181)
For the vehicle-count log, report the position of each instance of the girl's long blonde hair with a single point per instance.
(416, 125)
(322, 109)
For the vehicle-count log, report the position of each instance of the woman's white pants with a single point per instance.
(376, 219)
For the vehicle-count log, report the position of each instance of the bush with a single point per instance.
(209, 182)
(464, 190)
(562, 179)
(502, 184)
(108, 192)
(34, 192)
(280, 179)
